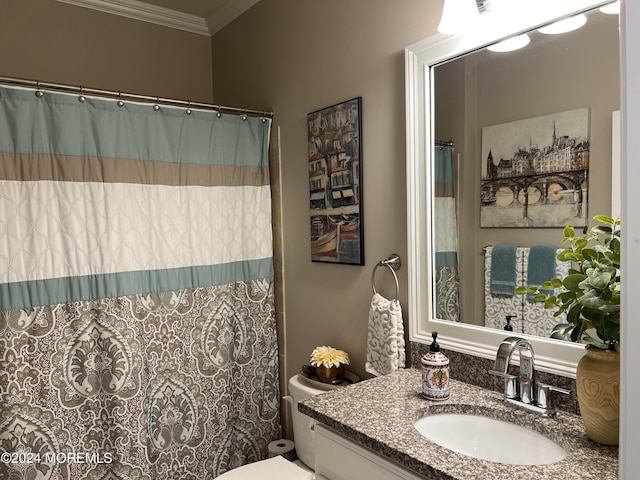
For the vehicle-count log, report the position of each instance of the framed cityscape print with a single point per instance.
(335, 183)
(535, 171)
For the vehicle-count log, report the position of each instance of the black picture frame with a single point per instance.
(334, 137)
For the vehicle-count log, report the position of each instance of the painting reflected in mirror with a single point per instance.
(500, 182)
(535, 171)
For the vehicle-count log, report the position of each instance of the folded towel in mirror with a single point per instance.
(541, 266)
(503, 270)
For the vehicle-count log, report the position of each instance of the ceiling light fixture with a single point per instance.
(510, 44)
(566, 25)
(458, 16)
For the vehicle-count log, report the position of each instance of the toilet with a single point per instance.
(278, 468)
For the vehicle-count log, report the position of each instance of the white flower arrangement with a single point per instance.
(329, 357)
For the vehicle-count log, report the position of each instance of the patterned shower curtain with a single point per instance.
(446, 237)
(137, 323)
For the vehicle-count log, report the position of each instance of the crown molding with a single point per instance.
(226, 13)
(151, 13)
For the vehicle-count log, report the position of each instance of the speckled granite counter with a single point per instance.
(379, 414)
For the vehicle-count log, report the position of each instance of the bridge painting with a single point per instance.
(535, 172)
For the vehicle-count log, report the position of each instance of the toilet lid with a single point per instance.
(276, 468)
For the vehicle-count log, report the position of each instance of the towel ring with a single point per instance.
(393, 263)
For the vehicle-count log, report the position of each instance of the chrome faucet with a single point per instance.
(524, 391)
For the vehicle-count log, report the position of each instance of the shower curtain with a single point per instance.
(446, 237)
(137, 325)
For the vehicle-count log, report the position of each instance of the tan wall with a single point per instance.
(60, 43)
(300, 56)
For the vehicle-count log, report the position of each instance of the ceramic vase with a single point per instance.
(329, 374)
(598, 386)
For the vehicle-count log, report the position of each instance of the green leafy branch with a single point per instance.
(590, 294)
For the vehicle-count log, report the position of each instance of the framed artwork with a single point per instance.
(535, 171)
(335, 178)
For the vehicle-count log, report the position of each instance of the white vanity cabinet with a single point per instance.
(338, 458)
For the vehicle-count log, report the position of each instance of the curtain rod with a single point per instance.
(444, 143)
(133, 97)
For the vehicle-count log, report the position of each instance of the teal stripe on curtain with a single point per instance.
(61, 124)
(443, 167)
(61, 290)
(446, 259)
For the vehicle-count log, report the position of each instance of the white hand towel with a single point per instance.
(385, 338)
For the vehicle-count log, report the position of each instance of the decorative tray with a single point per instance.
(309, 374)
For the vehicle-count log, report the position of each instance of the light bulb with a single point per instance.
(611, 8)
(510, 44)
(566, 25)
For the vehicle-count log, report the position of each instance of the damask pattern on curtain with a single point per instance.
(137, 323)
(447, 283)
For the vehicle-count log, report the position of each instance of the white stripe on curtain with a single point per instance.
(63, 229)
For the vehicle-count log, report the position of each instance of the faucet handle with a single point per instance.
(545, 396)
(510, 383)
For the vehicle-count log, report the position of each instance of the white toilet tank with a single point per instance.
(303, 426)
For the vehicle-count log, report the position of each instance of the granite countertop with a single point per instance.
(379, 414)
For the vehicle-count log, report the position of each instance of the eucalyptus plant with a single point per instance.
(590, 294)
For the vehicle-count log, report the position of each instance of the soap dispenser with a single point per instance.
(435, 372)
(508, 327)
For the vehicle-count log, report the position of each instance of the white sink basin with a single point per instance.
(489, 439)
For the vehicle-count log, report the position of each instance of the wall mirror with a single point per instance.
(457, 92)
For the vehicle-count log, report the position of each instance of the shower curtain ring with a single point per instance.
(120, 102)
(156, 107)
(39, 93)
(81, 97)
(217, 110)
(189, 108)
(245, 116)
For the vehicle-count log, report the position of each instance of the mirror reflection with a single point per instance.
(524, 147)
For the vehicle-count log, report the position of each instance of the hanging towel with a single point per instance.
(497, 307)
(503, 270)
(385, 337)
(541, 266)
